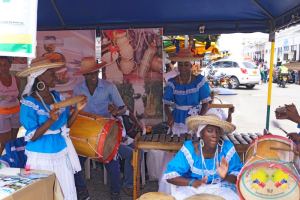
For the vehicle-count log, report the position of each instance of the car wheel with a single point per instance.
(250, 86)
(235, 83)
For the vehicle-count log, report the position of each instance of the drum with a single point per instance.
(95, 136)
(204, 196)
(267, 173)
(156, 196)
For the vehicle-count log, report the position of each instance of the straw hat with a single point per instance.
(39, 64)
(209, 119)
(88, 64)
(184, 55)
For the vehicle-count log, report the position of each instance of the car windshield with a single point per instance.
(250, 65)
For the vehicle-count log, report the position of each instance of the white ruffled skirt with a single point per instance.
(221, 189)
(60, 164)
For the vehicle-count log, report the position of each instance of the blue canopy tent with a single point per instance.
(174, 16)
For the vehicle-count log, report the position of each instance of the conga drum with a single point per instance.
(267, 173)
(205, 196)
(96, 136)
(156, 196)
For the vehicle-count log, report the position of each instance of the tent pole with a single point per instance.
(272, 40)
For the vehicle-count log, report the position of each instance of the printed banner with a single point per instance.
(135, 66)
(69, 47)
(18, 21)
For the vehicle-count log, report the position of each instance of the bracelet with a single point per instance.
(190, 184)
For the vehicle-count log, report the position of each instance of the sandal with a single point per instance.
(128, 191)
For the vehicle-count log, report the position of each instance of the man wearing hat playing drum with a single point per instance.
(209, 165)
(103, 99)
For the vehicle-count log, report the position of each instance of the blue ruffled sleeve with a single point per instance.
(177, 167)
(204, 91)
(232, 157)
(29, 117)
(168, 96)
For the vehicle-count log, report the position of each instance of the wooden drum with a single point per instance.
(205, 196)
(267, 173)
(156, 196)
(95, 136)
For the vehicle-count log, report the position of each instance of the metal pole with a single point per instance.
(272, 39)
(186, 41)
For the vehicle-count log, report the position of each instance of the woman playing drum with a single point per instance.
(49, 147)
(209, 165)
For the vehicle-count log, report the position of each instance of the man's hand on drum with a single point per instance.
(199, 182)
(54, 114)
(112, 109)
(80, 105)
(293, 136)
(222, 169)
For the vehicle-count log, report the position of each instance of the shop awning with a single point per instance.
(174, 16)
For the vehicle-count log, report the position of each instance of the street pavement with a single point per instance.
(251, 108)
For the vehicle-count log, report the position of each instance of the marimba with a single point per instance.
(168, 143)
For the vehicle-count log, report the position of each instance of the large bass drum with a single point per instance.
(267, 173)
(96, 136)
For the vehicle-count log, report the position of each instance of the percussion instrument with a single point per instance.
(205, 196)
(156, 196)
(269, 173)
(95, 136)
(68, 102)
(174, 143)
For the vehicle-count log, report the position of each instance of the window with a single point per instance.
(235, 65)
(250, 65)
(293, 47)
(227, 64)
(217, 64)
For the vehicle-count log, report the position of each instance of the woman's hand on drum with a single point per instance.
(80, 105)
(293, 136)
(112, 109)
(54, 114)
(199, 182)
(222, 169)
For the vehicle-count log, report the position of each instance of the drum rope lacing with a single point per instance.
(87, 140)
(255, 154)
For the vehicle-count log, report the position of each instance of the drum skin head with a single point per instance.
(156, 196)
(110, 140)
(205, 196)
(269, 174)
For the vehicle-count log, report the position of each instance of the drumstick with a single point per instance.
(283, 149)
(276, 124)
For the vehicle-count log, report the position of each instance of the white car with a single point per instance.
(242, 72)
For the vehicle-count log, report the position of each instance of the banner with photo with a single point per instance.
(135, 66)
(18, 21)
(69, 47)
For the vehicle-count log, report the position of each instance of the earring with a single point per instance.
(221, 145)
(201, 143)
(41, 82)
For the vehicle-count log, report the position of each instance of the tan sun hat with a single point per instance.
(88, 64)
(39, 64)
(193, 122)
(184, 55)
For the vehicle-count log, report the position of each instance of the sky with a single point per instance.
(233, 42)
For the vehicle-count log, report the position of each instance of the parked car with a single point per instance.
(243, 73)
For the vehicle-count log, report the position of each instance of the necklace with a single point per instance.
(214, 165)
(42, 100)
(187, 82)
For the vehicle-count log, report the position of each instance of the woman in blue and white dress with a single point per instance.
(209, 165)
(187, 91)
(49, 147)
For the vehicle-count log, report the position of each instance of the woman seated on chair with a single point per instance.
(209, 165)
